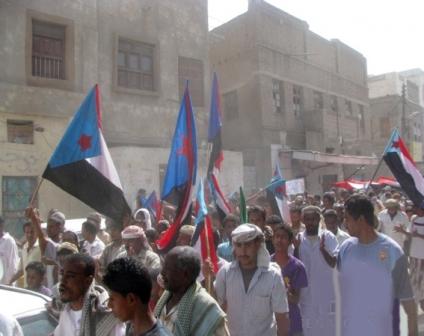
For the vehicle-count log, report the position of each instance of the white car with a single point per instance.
(29, 309)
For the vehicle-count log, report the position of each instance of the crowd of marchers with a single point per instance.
(342, 264)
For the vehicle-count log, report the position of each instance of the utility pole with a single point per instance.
(403, 122)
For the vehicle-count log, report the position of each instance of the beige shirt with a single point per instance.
(29, 255)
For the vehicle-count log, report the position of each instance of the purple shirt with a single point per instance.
(294, 275)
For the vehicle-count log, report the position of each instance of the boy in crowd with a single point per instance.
(293, 272)
(130, 287)
(35, 272)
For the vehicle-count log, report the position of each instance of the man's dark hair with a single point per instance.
(273, 220)
(329, 196)
(74, 236)
(127, 275)
(79, 258)
(231, 218)
(287, 229)
(187, 260)
(151, 235)
(359, 205)
(25, 225)
(257, 209)
(90, 227)
(297, 209)
(36, 266)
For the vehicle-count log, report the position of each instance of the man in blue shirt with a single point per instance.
(373, 273)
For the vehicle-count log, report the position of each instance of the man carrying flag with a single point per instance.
(82, 166)
(180, 177)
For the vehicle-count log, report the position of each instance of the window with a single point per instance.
(16, 192)
(334, 106)
(231, 105)
(297, 100)
(20, 131)
(318, 100)
(385, 128)
(278, 95)
(191, 70)
(48, 50)
(361, 117)
(135, 63)
(348, 107)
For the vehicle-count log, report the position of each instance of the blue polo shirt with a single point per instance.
(371, 277)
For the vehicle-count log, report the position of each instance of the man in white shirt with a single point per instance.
(392, 217)
(93, 246)
(332, 224)
(251, 289)
(85, 311)
(9, 257)
(317, 301)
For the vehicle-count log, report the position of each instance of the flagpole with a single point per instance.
(34, 194)
(208, 277)
(375, 173)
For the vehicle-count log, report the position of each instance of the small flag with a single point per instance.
(277, 196)
(243, 208)
(214, 130)
(153, 205)
(180, 177)
(203, 239)
(82, 166)
(404, 169)
(221, 203)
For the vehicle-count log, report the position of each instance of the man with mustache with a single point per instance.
(85, 312)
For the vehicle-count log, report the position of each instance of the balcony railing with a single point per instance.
(48, 67)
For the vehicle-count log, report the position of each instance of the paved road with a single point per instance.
(403, 323)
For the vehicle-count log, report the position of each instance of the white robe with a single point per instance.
(9, 258)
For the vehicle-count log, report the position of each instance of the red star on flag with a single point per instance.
(185, 147)
(84, 142)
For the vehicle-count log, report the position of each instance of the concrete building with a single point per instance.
(390, 109)
(289, 93)
(140, 52)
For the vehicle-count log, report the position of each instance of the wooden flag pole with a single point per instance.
(34, 194)
(208, 277)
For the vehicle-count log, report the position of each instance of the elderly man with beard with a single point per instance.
(137, 246)
(185, 307)
(85, 312)
(315, 248)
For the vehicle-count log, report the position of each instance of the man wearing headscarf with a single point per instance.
(251, 288)
(315, 248)
(142, 218)
(136, 246)
(392, 219)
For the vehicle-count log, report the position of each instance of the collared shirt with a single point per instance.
(317, 301)
(252, 313)
(29, 255)
(95, 248)
(371, 277)
(417, 243)
(9, 258)
(388, 224)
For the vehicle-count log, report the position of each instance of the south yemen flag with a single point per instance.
(403, 167)
(82, 166)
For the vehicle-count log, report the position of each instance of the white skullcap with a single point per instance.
(133, 232)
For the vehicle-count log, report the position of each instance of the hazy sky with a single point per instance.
(389, 33)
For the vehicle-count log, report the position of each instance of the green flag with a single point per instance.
(243, 209)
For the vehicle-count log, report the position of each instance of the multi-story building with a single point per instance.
(141, 52)
(397, 100)
(289, 93)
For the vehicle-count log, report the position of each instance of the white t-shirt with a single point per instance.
(9, 258)
(417, 243)
(388, 224)
(95, 248)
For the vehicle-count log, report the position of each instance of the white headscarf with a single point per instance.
(147, 219)
(247, 232)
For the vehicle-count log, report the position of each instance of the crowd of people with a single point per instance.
(342, 264)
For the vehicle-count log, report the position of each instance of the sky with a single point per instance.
(390, 33)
